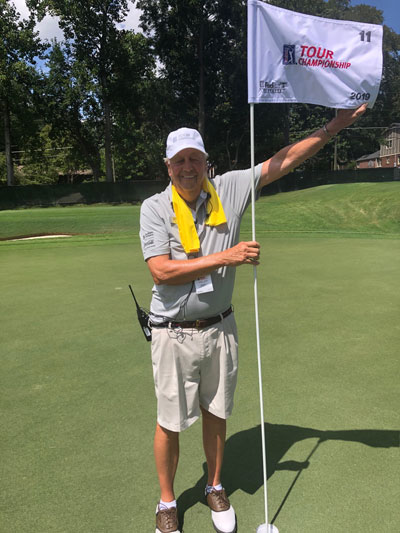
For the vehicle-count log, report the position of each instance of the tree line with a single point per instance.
(104, 98)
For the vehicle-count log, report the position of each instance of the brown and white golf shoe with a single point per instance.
(166, 520)
(222, 513)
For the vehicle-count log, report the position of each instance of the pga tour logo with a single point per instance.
(289, 54)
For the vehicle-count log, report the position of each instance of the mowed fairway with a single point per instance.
(78, 405)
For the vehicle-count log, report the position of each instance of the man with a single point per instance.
(190, 241)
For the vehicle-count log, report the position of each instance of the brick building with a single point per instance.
(388, 156)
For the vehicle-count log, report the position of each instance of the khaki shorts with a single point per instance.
(194, 367)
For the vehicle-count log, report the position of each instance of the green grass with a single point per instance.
(78, 405)
(353, 209)
(359, 208)
(91, 220)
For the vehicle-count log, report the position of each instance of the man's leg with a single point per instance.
(166, 453)
(214, 434)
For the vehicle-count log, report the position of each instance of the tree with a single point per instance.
(90, 26)
(304, 118)
(386, 108)
(200, 48)
(73, 110)
(139, 107)
(179, 32)
(47, 160)
(19, 81)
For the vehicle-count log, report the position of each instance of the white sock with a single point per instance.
(167, 505)
(210, 488)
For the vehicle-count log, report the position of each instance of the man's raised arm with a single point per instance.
(293, 155)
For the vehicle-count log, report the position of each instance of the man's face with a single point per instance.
(187, 170)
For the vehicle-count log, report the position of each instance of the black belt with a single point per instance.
(199, 324)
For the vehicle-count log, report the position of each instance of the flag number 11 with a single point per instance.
(363, 34)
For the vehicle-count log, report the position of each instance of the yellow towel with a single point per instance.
(184, 218)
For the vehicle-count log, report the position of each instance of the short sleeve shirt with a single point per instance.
(159, 235)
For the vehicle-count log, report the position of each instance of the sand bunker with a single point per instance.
(39, 237)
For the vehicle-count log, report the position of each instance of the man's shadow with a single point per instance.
(243, 460)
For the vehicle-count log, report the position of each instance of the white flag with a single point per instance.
(301, 58)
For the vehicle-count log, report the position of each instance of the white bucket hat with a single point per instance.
(184, 138)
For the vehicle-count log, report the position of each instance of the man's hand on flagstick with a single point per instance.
(244, 253)
(345, 118)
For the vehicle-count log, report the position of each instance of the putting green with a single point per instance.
(78, 402)
(77, 387)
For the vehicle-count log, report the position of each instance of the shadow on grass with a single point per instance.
(243, 460)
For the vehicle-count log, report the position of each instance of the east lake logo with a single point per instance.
(273, 87)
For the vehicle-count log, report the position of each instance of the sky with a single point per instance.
(390, 8)
(49, 29)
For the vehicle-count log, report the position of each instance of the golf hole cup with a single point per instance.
(267, 528)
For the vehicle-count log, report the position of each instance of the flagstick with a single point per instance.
(253, 223)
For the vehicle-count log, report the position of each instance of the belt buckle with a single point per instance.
(199, 323)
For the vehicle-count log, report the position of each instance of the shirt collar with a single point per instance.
(203, 196)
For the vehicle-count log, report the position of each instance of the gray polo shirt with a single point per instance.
(160, 235)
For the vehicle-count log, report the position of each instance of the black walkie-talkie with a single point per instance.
(143, 317)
